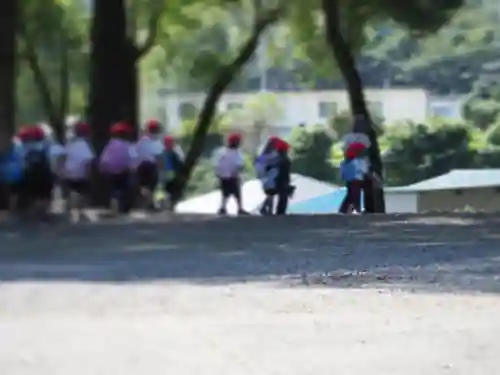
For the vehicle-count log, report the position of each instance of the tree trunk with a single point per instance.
(113, 78)
(9, 13)
(64, 92)
(109, 70)
(342, 52)
(226, 75)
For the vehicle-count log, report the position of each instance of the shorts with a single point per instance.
(38, 185)
(147, 175)
(230, 187)
(79, 186)
(120, 183)
(169, 187)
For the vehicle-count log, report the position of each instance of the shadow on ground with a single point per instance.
(449, 252)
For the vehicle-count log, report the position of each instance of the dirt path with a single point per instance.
(416, 296)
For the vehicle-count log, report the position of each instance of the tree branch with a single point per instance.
(41, 81)
(223, 79)
(151, 36)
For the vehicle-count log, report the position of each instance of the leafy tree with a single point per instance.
(482, 108)
(52, 36)
(344, 26)
(493, 134)
(310, 153)
(226, 73)
(427, 151)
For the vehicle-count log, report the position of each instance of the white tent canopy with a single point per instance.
(253, 196)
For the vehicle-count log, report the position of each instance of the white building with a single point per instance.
(318, 107)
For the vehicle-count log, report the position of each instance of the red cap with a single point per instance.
(168, 141)
(356, 148)
(24, 133)
(350, 154)
(37, 133)
(120, 128)
(153, 126)
(82, 128)
(281, 145)
(234, 138)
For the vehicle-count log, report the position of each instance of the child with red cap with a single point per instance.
(38, 181)
(229, 164)
(266, 168)
(76, 169)
(172, 163)
(117, 162)
(149, 161)
(353, 170)
(284, 188)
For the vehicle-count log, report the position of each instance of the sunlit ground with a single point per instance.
(307, 295)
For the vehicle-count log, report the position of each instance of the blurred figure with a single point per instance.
(353, 170)
(266, 168)
(284, 188)
(117, 162)
(11, 170)
(38, 180)
(76, 169)
(229, 164)
(173, 161)
(149, 161)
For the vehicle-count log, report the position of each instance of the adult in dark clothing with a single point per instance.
(284, 189)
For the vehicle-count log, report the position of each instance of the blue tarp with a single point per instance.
(324, 204)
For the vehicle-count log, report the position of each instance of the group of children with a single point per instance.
(34, 164)
(273, 169)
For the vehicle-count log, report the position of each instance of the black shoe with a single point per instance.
(222, 211)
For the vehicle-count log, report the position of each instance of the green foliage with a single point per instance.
(310, 153)
(481, 113)
(493, 134)
(427, 151)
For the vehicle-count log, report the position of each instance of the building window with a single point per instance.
(234, 106)
(327, 110)
(187, 111)
(376, 108)
(444, 111)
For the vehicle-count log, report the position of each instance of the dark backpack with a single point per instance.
(37, 161)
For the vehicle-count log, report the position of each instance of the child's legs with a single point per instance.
(235, 188)
(226, 191)
(355, 194)
(282, 202)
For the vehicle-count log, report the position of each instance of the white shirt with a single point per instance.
(228, 162)
(78, 155)
(56, 151)
(148, 149)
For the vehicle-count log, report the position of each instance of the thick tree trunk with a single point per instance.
(342, 52)
(226, 75)
(9, 13)
(109, 71)
(112, 95)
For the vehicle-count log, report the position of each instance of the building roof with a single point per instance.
(253, 196)
(454, 180)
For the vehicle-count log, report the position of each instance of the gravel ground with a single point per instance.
(384, 295)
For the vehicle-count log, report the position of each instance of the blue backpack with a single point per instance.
(11, 165)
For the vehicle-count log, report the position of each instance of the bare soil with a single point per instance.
(384, 295)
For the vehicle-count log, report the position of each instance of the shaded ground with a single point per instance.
(382, 295)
